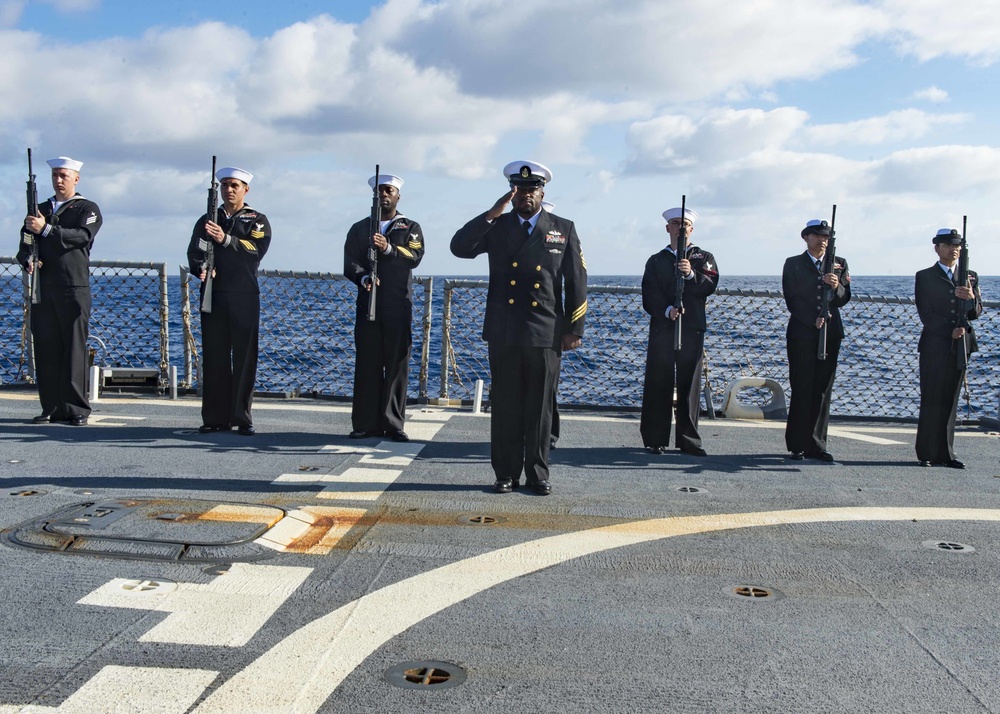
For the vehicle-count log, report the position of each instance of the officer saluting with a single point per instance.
(938, 301)
(64, 230)
(659, 291)
(383, 346)
(534, 310)
(229, 334)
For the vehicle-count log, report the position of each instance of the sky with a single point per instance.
(764, 114)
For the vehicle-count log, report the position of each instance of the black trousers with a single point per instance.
(521, 396)
(940, 386)
(811, 382)
(381, 372)
(662, 364)
(229, 338)
(59, 327)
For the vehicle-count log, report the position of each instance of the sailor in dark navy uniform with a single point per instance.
(230, 333)
(811, 378)
(659, 292)
(535, 309)
(938, 301)
(64, 231)
(383, 346)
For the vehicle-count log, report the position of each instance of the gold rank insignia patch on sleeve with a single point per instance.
(248, 246)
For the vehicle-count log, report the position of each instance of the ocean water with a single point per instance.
(307, 340)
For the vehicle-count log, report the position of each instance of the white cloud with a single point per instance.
(934, 28)
(680, 50)
(10, 12)
(934, 95)
(894, 126)
(673, 142)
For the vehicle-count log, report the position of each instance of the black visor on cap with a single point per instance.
(818, 230)
(953, 238)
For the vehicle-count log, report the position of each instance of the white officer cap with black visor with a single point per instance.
(64, 162)
(948, 236)
(816, 226)
(529, 174)
(235, 173)
(386, 180)
(675, 213)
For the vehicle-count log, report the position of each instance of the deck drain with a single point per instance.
(689, 489)
(948, 546)
(754, 593)
(169, 516)
(425, 675)
(147, 587)
(481, 520)
(308, 468)
(27, 492)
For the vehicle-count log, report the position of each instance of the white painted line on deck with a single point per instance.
(337, 643)
(392, 453)
(346, 449)
(289, 529)
(358, 484)
(226, 612)
(156, 690)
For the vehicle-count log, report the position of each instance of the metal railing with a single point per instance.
(877, 369)
(307, 333)
(129, 319)
(307, 342)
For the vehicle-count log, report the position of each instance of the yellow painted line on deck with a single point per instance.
(299, 673)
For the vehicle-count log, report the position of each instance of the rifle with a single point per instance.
(211, 214)
(962, 280)
(829, 263)
(34, 287)
(376, 223)
(682, 239)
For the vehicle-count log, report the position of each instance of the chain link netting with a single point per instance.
(15, 356)
(877, 369)
(307, 342)
(307, 333)
(128, 319)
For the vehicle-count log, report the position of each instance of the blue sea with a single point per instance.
(307, 341)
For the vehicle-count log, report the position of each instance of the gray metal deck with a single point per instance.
(740, 581)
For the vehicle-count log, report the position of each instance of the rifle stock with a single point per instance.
(829, 263)
(34, 286)
(682, 237)
(211, 213)
(376, 223)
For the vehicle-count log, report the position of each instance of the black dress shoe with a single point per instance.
(954, 464)
(656, 449)
(503, 486)
(694, 451)
(247, 430)
(821, 455)
(81, 420)
(398, 435)
(208, 428)
(542, 488)
(924, 462)
(552, 443)
(515, 484)
(43, 418)
(796, 456)
(360, 435)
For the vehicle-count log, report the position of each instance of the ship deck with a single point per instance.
(147, 567)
